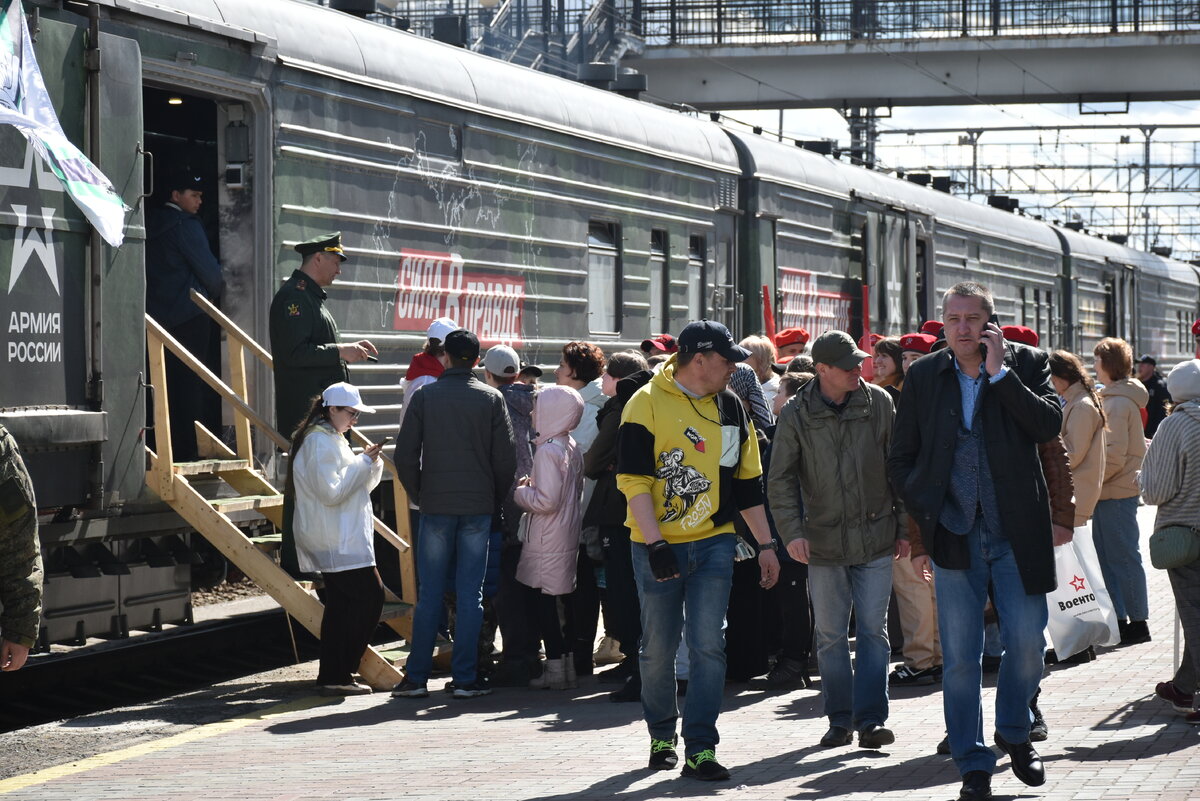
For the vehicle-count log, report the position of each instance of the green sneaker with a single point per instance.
(705, 767)
(662, 753)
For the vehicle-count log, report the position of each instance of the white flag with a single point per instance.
(25, 104)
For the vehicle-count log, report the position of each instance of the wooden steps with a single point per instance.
(254, 556)
(247, 502)
(210, 467)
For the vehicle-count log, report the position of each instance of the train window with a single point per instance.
(438, 140)
(660, 282)
(697, 258)
(604, 278)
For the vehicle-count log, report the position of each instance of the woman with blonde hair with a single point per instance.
(762, 357)
(1114, 523)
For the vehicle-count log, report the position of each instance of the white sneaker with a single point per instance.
(608, 652)
(354, 688)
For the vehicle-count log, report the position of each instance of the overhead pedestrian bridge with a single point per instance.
(727, 54)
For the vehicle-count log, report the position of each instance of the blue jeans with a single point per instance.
(961, 596)
(853, 699)
(462, 539)
(1115, 532)
(705, 576)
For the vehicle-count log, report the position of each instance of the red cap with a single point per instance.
(919, 343)
(791, 336)
(661, 342)
(1019, 333)
(1196, 329)
(875, 338)
(932, 327)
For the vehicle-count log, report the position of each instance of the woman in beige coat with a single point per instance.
(1083, 430)
(1114, 523)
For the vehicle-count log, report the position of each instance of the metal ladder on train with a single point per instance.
(174, 484)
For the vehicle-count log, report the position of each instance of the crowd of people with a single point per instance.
(726, 513)
(731, 510)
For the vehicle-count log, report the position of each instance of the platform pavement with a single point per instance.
(1110, 738)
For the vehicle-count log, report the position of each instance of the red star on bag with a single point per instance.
(1077, 584)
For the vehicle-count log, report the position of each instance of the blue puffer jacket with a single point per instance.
(178, 259)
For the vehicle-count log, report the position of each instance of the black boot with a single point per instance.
(1135, 633)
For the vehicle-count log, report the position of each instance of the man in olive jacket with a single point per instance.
(965, 459)
(830, 449)
(456, 457)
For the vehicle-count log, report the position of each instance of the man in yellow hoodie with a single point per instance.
(688, 462)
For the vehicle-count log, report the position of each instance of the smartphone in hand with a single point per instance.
(993, 320)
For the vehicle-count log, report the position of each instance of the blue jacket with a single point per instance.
(178, 259)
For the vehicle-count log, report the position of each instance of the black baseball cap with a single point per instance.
(705, 336)
(462, 345)
(1148, 359)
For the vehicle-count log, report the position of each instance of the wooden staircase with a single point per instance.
(173, 482)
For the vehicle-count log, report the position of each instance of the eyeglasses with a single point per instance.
(352, 412)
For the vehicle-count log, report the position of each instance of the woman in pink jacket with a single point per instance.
(551, 500)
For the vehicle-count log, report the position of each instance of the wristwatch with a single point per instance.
(770, 545)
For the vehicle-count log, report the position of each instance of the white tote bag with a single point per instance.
(1081, 610)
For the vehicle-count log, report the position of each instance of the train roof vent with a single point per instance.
(822, 146)
(942, 183)
(727, 191)
(1003, 202)
(1074, 225)
(920, 178)
(1119, 239)
(1161, 250)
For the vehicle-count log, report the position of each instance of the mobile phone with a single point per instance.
(371, 358)
(994, 320)
(386, 440)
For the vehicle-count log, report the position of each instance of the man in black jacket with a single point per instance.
(178, 260)
(964, 458)
(456, 458)
(1156, 408)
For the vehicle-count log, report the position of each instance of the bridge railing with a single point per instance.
(713, 22)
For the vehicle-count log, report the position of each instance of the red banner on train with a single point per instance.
(432, 285)
(803, 304)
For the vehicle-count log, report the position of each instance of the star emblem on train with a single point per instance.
(1077, 583)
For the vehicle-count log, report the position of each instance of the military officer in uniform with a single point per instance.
(304, 336)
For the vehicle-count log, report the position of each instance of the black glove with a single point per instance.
(662, 560)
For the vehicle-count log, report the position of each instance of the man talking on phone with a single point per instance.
(964, 457)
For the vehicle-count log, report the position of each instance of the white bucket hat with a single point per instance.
(343, 394)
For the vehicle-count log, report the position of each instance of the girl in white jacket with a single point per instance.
(334, 531)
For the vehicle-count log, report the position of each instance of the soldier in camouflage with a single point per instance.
(20, 557)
